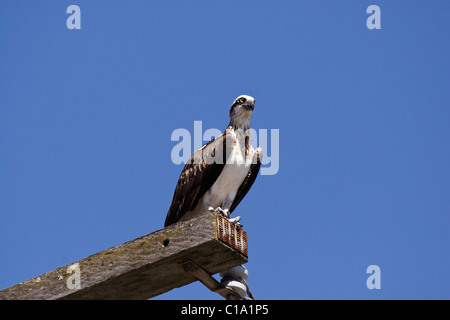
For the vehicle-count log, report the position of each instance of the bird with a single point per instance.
(219, 174)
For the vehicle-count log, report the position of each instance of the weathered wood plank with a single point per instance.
(138, 269)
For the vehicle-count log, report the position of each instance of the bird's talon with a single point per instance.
(235, 220)
(222, 212)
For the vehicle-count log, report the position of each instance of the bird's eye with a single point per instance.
(242, 100)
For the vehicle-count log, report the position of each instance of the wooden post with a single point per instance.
(144, 267)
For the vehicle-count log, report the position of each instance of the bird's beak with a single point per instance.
(249, 106)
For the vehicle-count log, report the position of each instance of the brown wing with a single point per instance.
(197, 177)
(248, 181)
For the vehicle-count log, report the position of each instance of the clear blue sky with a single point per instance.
(86, 118)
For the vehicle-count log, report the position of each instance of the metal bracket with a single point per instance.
(212, 284)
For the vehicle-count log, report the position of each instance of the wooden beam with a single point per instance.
(144, 267)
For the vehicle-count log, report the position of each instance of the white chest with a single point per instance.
(233, 174)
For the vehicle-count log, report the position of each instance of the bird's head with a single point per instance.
(241, 111)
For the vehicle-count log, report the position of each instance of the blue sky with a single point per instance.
(86, 118)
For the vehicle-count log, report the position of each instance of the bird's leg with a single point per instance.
(227, 204)
(224, 212)
(207, 201)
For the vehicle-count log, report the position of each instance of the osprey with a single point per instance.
(219, 174)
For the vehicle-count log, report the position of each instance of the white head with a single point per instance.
(241, 112)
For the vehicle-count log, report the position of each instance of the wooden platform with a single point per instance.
(144, 267)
